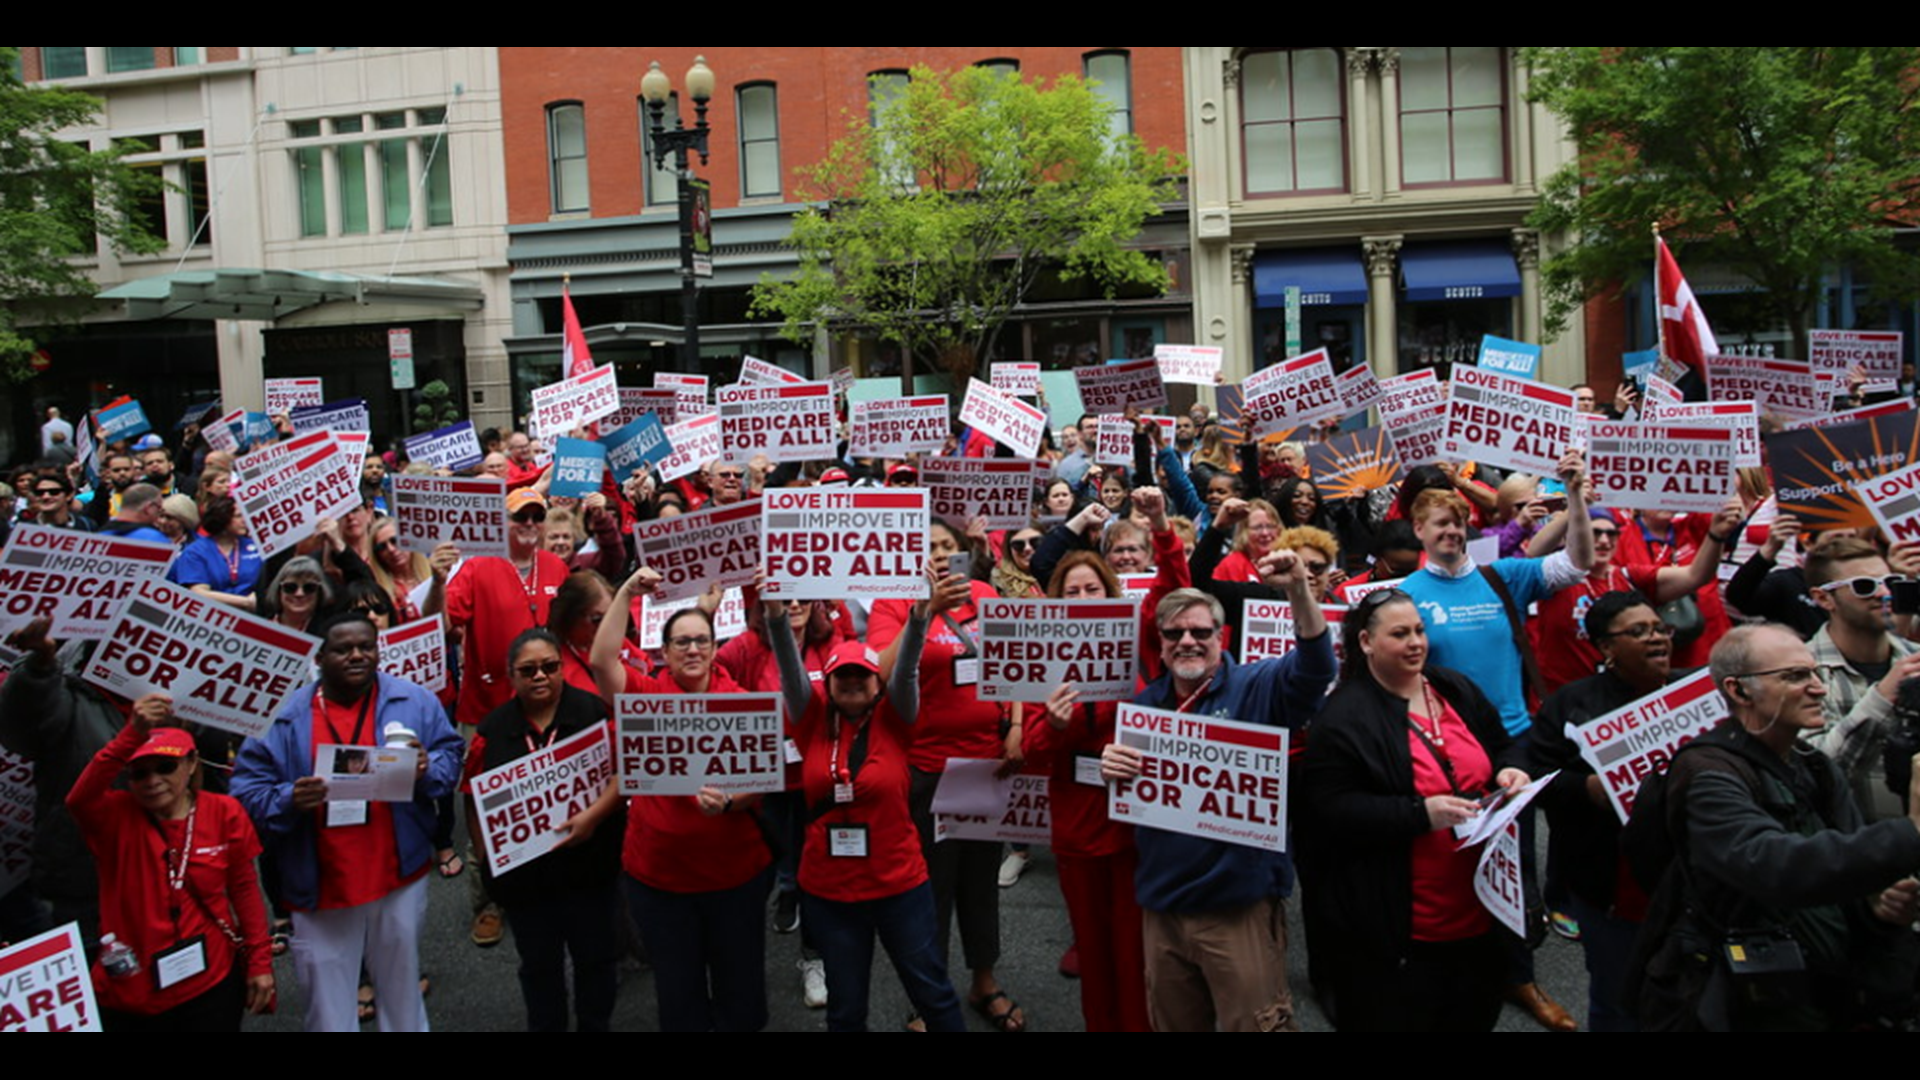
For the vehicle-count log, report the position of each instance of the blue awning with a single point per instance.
(1325, 277)
(1466, 270)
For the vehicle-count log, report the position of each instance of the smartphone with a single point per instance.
(960, 565)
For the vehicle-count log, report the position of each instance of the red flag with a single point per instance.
(1685, 336)
(575, 357)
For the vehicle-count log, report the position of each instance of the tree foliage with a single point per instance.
(1779, 163)
(938, 214)
(56, 197)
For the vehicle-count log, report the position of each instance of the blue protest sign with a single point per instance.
(124, 421)
(578, 466)
(641, 444)
(1509, 357)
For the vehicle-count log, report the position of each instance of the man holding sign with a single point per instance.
(1216, 912)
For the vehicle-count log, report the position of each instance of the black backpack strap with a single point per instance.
(1531, 681)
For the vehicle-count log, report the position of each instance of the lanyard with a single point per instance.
(1197, 694)
(233, 561)
(531, 583)
(177, 872)
(359, 725)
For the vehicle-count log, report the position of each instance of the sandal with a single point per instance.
(368, 1008)
(281, 938)
(914, 1023)
(1009, 1020)
(452, 866)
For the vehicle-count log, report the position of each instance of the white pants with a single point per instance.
(328, 947)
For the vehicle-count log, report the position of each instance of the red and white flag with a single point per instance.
(1685, 336)
(575, 357)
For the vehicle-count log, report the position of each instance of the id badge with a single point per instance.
(174, 966)
(345, 815)
(1086, 770)
(792, 750)
(966, 671)
(843, 794)
(847, 841)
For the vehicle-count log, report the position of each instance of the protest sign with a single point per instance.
(77, 579)
(1267, 629)
(1508, 422)
(676, 744)
(223, 433)
(715, 545)
(1113, 439)
(694, 442)
(1113, 388)
(579, 468)
(756, 372)
(1818, 472)
(1630, 744)
(1509, 357)
(842, 380)
(789, 422)
(1851, 416)
(897, 427)
(45, 984)
(689, 391)
(973, 803)
(286, 395)
(1659, 393)
(349, 415)
(256, 430)
(1353, 466)
(728, 623)
(467, 512)
(1419, 435)
(1683, 469)
(1740, 417)
(221, 666)
(1003, 418)
(1411, 392)
(16, 820)
(523, 803)
(1200, 776)
(1879, 353)
(570, 404)
(961, 489)
(641, 444)
(1497, 882)
(124, 420)
(313, 480)
(1189, 365)
(835, 543)
(416, 652)
(1359, 390)
(1636, 365)
(638, 401)
(1786, 387)
(1029, 647)
(1291, 394)
(1894, 501)
(1016, 379)
(452, 448)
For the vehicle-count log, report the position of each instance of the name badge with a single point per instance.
(966, 671)
(847, 841)
(174, 966)
(345, 815)
(1086, 770)
(792, 750)
(843, 794)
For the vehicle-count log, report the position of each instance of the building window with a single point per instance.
(1453, 114)
(178, 214)
(883, 88)
(1001, 66)
(129, 57)
(183, 55)
(1293, 121)
(759, 109)
(661, 178)
(378, 164)
(350, 168)
(1113, 71)
(63, 61)
(567, 152)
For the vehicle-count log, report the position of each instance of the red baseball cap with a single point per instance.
(169, 742)
(852, 654)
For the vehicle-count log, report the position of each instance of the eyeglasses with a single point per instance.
(549, 668)
(1174, 635)
(1643, 631)
(159, 767)
(729, 474)
(1019, 545)
(1866, 588)
(299, 588)
(535, 516)
(1791, 676)
(691, 644)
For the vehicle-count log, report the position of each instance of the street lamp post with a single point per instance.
(680, 142)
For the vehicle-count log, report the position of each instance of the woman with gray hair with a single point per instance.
(299, 595)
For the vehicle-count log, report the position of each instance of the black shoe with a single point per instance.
(786, 912)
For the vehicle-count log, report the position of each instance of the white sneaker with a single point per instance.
(813, 983)
(1011, 868)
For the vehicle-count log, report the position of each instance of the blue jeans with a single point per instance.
(577, 924)
(905, 926)
(1608, 943)
(709, 953)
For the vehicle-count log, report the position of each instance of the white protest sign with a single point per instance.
(972, 803)
(1200, 776)
(1419, 435)
(897, 427)
(695, 442)
(1113, 442)
(1740, 417)
(1663, 467)
(16, 820)
(1189, 365)
(316, 480)
(728, 623)
(220, 434)
(451, 448)
(1508, 422)
(1854, 416)
(715, 545)
(286, 395)
(1411, 392)
(1267, 629)
(1497, 882)
(45, 984)
(1630, 744)
(1660, 393)
(334, 416)
(676, 744)
(835, 542)
(756, 372)
(1291, 394)
(961, 489)
(1003, 418)
(77, 579)
(1894, 501)
(1017, 379)
(1359, 390)
(467, 512)
(221, 666)
(1029, 647)
(1787, 387)
(559, 408)
(417, 653)
(523, 803)
(789, 422)
(1114, 388)
(689, 391)
(1878, 352)
(637, 401)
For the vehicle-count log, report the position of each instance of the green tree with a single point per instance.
(937, 215)
(1779, 163)
(55, 197)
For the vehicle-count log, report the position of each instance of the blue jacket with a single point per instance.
(265, 772)
(1187, 875)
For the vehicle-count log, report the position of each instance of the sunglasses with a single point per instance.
(530, 517)
(1174, 635)
(1019, 545)
(548, 668)
(159, 767)
(1866, 588)
(299, 588)
(49, 493)
(1644, 631)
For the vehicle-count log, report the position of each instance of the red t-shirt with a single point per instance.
(1445, 907)
(1081, 827)
(893, 863)
(493, 604)
(1677, 548)
(1560, 630)
(358, 863)
(954, 722)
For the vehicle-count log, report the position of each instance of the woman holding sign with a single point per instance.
(1401, 754)
(563, 905)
